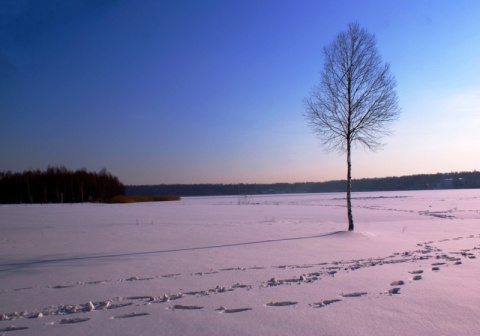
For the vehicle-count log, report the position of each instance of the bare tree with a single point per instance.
(355, 101)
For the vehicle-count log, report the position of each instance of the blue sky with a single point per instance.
(211, 91)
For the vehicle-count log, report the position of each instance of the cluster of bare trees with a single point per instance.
(59, 185)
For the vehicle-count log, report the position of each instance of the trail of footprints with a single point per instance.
(424, 251)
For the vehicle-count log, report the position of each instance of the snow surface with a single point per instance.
(263, 265)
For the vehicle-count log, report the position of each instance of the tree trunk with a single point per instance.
(349, 187)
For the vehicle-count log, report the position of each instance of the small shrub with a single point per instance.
(245, 199)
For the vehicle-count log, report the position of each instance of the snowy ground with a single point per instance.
(266, 265)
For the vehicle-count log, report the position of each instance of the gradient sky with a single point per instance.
(211, 91)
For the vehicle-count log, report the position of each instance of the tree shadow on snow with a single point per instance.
(6, 267)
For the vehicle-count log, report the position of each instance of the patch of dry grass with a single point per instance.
(136, 199)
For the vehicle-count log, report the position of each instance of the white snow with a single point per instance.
(275, 265)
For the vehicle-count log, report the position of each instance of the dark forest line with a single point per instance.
(454, 180)
(59, 185)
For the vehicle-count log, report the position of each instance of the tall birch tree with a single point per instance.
(355, 101)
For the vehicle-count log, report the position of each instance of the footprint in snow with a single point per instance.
(397, 283)
(119, 305)
(224, 310)
(182, 307)
(324, 303)
(394, 291)
(73, 320)
(62, 286)
(98, 282)
(131, 315)
(145, 298)
(13, 328)
(355, 294)
(170, 275)
(135, 278)
(239, 285)
(281, 303)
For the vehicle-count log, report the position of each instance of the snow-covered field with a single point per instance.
(265, 265)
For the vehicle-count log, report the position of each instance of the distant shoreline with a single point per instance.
(453, 180)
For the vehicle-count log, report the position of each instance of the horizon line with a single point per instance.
(298, 182)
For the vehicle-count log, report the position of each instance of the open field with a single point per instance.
(261, 265)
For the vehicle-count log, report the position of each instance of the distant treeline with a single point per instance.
(456, 180)
(59, 185)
